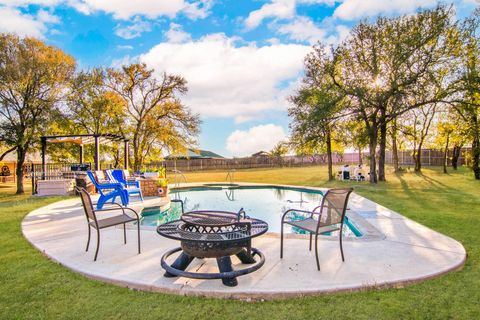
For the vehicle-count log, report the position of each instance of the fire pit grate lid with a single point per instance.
(210, 218)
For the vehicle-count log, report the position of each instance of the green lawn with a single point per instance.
(34, 287)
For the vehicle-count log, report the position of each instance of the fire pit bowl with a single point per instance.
(213, 234)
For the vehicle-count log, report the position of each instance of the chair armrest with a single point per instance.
(135, 212)
(297, 210)
(120, 208)
(110, 209)
(109, 204)
(110, 185)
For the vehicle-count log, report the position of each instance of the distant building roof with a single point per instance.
(261, 154)
(195, 154)
(34, 157)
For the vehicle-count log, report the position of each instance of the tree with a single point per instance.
(92, 106)
(316, 105)
(156, 117)
(419, 129)
(33, 77)
(353, 134)
(279, 151)
(467, 100)
(381, 66)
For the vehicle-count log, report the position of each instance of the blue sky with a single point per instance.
(241, 59)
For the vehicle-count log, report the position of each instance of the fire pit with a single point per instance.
(213, 234)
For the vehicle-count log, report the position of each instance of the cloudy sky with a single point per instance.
(241, 58)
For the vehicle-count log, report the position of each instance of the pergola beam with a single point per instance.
(81, 140)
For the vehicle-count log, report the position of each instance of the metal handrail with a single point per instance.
(230, 176)
(177, 174)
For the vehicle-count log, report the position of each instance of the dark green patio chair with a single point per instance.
(329, 218)
(93, 221)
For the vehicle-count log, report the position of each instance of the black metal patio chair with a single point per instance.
(329, 218)
(92, 221)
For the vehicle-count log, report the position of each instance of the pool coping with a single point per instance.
(256, 294)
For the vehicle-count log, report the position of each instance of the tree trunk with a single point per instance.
(418, 159)
(456, 152)
(382, 143)
(396, 166)
(329, 155)
(373, 132)
(21, 153)
(476, 157)
(445, 155)
(382, 149)
(360, 161)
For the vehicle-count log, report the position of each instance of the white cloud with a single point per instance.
(302, 29)
(176, 34)
(124, 61)
(356, 9)
(134, 30)
(124, 47)
(46, 17)
(23, 24)
(18, 3)
(260, 138)
(198, 10)
(279, 9)
(124, 10)
(230, 80)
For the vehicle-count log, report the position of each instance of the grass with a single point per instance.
(34, 287)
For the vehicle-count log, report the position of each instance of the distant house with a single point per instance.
(194, 154)
(8, 165)
(261, 154)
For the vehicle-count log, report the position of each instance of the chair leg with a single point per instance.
(124, 234)
(98, 245)
(141, 196)
(138, 229)
(310, 245)
(281, 241)
(88, 241)
(341, 246)
(316, 252)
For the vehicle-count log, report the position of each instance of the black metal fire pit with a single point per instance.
(213, 234)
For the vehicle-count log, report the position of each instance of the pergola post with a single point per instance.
(44, 152)
(80, 149)
(97, 152)
(125, 154)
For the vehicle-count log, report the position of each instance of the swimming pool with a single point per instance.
(263, 202)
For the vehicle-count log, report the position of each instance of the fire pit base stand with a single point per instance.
(227, 274)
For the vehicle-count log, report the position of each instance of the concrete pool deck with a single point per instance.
(398, 252)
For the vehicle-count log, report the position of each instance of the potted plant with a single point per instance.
(154, 173)
(162, 185)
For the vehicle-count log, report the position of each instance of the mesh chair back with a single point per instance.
(334, 206)
(87, 204)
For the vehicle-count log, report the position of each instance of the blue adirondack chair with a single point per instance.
(116, 176)
(122, 176)
(108, 190)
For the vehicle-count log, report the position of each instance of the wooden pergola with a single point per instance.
(81, 140)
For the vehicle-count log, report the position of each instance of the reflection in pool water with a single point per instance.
(262, 202)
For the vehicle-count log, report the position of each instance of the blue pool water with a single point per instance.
(264, 202)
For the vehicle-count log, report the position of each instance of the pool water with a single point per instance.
(267, 203)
